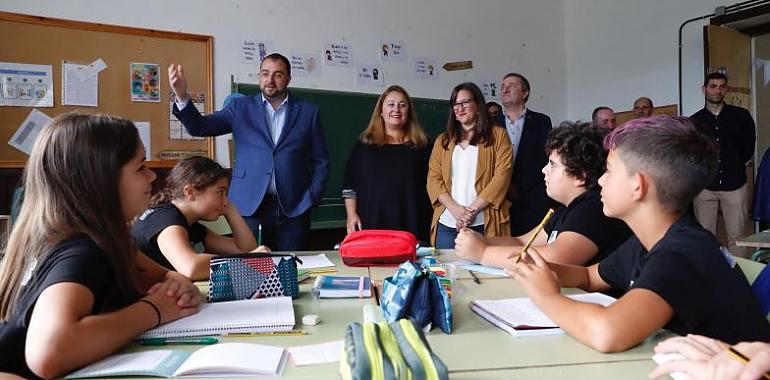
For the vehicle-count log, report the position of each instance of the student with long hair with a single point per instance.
(469, 171)
(384, 183)
(196, 189)
(73, 289)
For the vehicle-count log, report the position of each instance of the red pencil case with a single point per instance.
(378, 247)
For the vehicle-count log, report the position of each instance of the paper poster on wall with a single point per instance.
(371, 74)
(392, 51)
(337, 54)
(145, 82)
(24, 85)
(491, 90)
(305, 65)
(77, 91)
(144, 134)
(176, 130)
(25, 136)
(254, 51)
(425, 68)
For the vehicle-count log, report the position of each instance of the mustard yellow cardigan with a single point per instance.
(493, 176)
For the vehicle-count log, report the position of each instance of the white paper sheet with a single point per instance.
(314, 261)
(25, 136)
(144, 135)
(328, 352)
(75, 90)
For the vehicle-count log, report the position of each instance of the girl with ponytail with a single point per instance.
(168, 232)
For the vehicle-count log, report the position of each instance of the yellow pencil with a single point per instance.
(743, 359)
(534, 234)
(269, 333)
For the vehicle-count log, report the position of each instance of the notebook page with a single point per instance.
(147, 363)
(234, 358)
(257, 315)
(523, 312)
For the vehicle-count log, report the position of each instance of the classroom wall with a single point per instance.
(577, 54)
(618, 51)
(498, 35)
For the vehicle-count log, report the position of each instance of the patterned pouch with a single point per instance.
(257, 275)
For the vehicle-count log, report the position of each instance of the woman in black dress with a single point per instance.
(384, 184)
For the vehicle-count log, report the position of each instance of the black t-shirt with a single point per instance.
(78, 260)
(584, 216)
(153, 221)
(708, 292)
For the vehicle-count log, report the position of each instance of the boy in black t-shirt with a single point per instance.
(578, 233)
(673, 273)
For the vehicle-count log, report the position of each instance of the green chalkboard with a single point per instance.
(344, 115)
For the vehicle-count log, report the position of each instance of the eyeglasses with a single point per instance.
(465, 104)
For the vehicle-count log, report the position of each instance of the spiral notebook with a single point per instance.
(245, 316)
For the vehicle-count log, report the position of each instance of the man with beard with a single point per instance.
(281, 162)
(734, 132)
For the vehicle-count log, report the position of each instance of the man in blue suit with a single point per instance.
(281, 161)
(528, 131)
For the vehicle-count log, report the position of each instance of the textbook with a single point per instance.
(520, 317)
(342, 287)
(273, 314)
(224, 359)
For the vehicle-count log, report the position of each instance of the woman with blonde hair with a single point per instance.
(384, 182)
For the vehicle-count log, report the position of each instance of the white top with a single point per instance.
(463, 183)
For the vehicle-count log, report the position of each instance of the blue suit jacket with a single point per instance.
(531, 201)
(300, 158)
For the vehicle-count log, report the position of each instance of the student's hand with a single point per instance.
(708, 358)
(696, 347)
(177, 81)
(536, 277)
(181, 288)
(353, 223)
(170, 309)
(470, 245)
(262, 248)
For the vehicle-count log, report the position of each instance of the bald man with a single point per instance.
(643, 107)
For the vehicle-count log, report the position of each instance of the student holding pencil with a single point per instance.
(73, 289)
(672, 274)
(196, 189)
(706, 358)
(469, 171)
(578, 233)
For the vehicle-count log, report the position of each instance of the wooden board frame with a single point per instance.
(83, 42)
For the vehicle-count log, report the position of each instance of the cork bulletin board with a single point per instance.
(48, 41)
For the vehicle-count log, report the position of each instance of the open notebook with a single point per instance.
(224, 359)
(520, 317)
(244, 316)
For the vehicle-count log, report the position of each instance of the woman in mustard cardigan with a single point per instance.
(469, 172)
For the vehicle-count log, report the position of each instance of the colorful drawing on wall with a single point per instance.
(145, 82)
